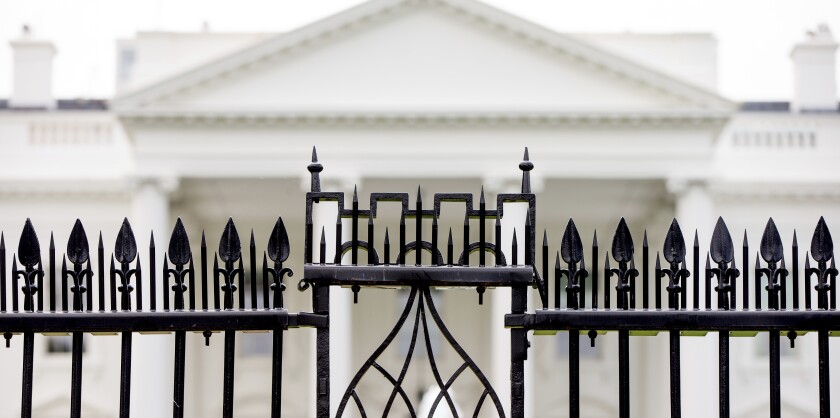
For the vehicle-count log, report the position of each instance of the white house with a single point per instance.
(396, 93)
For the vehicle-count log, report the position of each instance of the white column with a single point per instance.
(695, 211)
(152, 359)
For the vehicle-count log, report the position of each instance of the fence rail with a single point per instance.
(660, 291)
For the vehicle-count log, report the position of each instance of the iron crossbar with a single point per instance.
(55, 322)
(449, 276)
(631, 320)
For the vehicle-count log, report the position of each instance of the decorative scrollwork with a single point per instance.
(423, 302)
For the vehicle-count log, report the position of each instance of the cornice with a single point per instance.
(152, 118)
(52, 188)
(770, 190)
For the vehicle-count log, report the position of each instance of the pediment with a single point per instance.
(422, 56)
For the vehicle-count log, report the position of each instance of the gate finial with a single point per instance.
(314, 169)
(526, 166)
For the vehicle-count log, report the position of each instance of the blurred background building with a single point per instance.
(443, 93)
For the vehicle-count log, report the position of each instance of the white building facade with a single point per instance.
(396, 93)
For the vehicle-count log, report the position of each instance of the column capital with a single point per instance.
(167, 185)
(680, 185)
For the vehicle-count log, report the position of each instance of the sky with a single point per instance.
(754, 36)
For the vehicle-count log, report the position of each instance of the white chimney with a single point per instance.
(814, 64)
(32, 83)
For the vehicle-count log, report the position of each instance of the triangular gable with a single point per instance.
(605, 74)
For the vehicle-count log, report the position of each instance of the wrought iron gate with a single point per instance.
(100, 307)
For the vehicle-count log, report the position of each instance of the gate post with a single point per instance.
(320, 304)
(519, 302)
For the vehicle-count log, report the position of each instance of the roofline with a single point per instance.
(349, 19)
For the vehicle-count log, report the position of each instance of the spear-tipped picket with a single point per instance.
(514, 249)
(338, 239)
(125, 248)
(497, 232)
(29, 250)
(450, 248)
(607, 274)
(230, 248)
(722, 252)
(113, 282)
(783, 284)
(595, 255)
(622, 252)
(657, 274)
(822, 249)
(387, 247)
(29, 254)
(466, 258)
(582, 291)
(722, 249)
(822, 246)
(772, 252)
(354, 229)
(100, 257)
(645, 275)
(545, 273)
(571, 247)
(418, 229)
(771, 244)
(78, 250)
(323, 247)
(230, 251)
(482, 230)
(241, 286)
(622, 244)
(3, 273)
(571, 250)
(266, 280)
(78, 253)
(252, 254)
(833, 274)
(216, 299)
(434, 239)
(745, 257)
(529, 245)
(558, 269)
(371, 260)
(695, 262)
(179, 245)
(15, 282)
(278, 252)
(179, 254)
(795, 271)
(401, 249)
(708, 264)
(152, 275)
(204, 284)
(674, 248)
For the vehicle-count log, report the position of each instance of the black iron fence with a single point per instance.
(648, 297)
